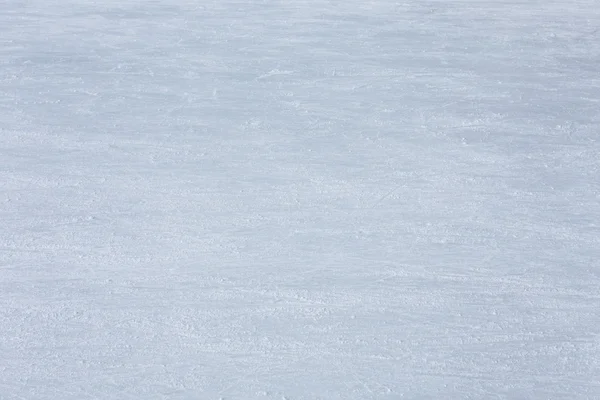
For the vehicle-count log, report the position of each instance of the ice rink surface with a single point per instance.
(299, 200)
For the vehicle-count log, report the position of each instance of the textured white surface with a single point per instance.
(299, 200)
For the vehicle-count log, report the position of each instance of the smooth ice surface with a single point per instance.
(294, 200)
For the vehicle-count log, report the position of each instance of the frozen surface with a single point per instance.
(294, 200)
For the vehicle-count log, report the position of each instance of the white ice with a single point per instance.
(286, 200)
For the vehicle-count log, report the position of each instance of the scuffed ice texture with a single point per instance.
(288, 200)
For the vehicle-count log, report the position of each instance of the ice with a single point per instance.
(295, 200)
